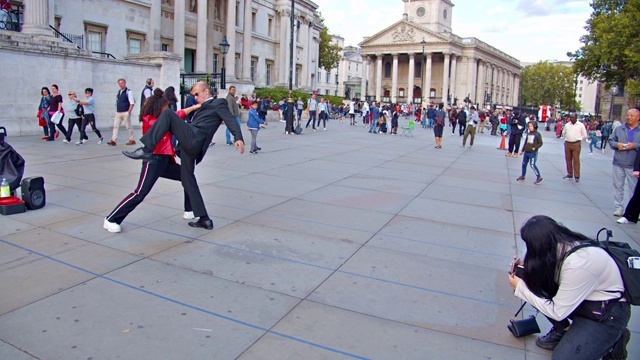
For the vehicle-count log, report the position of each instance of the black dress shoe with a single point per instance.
(138, 154)
(205, 224)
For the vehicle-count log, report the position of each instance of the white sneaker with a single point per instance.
(618, 212)
(325, 129)
(79, 142)
(65, 141)
(111, 227)
(188, 215)
(623, 220)
(100, 141)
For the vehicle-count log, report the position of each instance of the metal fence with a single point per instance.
(11, 17)
(188, 80)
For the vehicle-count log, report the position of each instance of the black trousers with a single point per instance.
(77, 122)
(514, 143)
(462, 127)
(322, 116)
(191, 141)
(161, 166)
(91, 120)
(312, 119)
(632, 211)
(52, 129)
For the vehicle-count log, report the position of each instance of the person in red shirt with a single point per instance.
(163, 163)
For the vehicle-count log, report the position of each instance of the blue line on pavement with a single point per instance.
(193, 307)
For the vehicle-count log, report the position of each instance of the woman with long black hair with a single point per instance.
(163, 164)
(584, 286)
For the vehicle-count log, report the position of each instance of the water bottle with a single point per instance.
(5, 190)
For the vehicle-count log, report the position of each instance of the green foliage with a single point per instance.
(278, 93)
(610, 49)
(329, 53)
(548, 83)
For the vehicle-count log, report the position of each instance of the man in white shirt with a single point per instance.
(574, 132)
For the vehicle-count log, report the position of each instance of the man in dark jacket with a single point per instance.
(517, 128)
(194, 139)
(462, 121)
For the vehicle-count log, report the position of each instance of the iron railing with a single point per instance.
(68, 37)
(103, 55)
(11, 17)
(188, 80)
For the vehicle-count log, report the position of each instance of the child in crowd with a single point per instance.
(394, 122)
(254, 123)
(532, 143)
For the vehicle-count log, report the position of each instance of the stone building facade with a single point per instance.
(418, 59)
(258, 32)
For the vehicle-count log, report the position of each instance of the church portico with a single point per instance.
(419, 60)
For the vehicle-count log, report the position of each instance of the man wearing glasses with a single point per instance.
(194, 139)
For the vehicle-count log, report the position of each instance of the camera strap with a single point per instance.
(522, 307)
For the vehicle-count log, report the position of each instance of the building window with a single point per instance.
(165, 47)
(253, 21)
(581, 81)
(336, 93)
(326, 91)
(401, 92)
(328, 75)
(319, 76)
(269, 68)
(135, 42)
(270, 28)
(215, 63)
(96, 37)
(418, 70)
(298, 70)
(253, 69)
(237, 14)
(236, 69)
(580, 88)
(579, 95)
(387, 70)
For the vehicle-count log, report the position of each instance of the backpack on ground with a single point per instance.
(627, 260)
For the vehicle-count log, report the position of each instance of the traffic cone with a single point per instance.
(502, 143)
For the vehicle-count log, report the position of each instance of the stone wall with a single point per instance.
(29, 63)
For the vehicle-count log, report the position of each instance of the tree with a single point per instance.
(548, 83)
(610, 49)
(329, 52)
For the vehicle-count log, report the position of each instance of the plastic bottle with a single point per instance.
(5, 191)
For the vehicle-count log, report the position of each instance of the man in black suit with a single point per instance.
(194, 139)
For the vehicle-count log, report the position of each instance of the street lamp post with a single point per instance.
(224, 49)
(425, 92)
(613, 91)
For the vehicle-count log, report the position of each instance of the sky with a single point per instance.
(529, 30)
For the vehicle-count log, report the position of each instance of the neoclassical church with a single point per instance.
(418, 59)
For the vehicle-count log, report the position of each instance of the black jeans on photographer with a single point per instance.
(592, 339)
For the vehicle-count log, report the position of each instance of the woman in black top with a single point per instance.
(55, 105)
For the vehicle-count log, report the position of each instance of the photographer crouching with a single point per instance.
(583, 286)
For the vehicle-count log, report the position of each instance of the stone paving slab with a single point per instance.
(330, 245)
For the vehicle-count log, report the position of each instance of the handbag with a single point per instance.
(524, 327)
(55, 118)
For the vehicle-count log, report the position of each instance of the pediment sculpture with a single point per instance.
(403, 34)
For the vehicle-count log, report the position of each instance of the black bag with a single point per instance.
(524, 327)
(79, 111)
(620, 252)
(298, 129)
(11, 163)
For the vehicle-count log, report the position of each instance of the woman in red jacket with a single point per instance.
(163, 164)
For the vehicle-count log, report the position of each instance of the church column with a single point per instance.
(412, 73)
(481, 84)
(471, 91)
(365, 76)
(427, 80)
(378, 77)
(230, 61)
(178, 30)
(394, 79)
(36, 18)
(445, 80)
(154, 26)
(454, 68)
(246, 42)
(201, 40)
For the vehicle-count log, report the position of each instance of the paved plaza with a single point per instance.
(334, 244)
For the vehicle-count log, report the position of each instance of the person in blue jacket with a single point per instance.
(254, 123)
